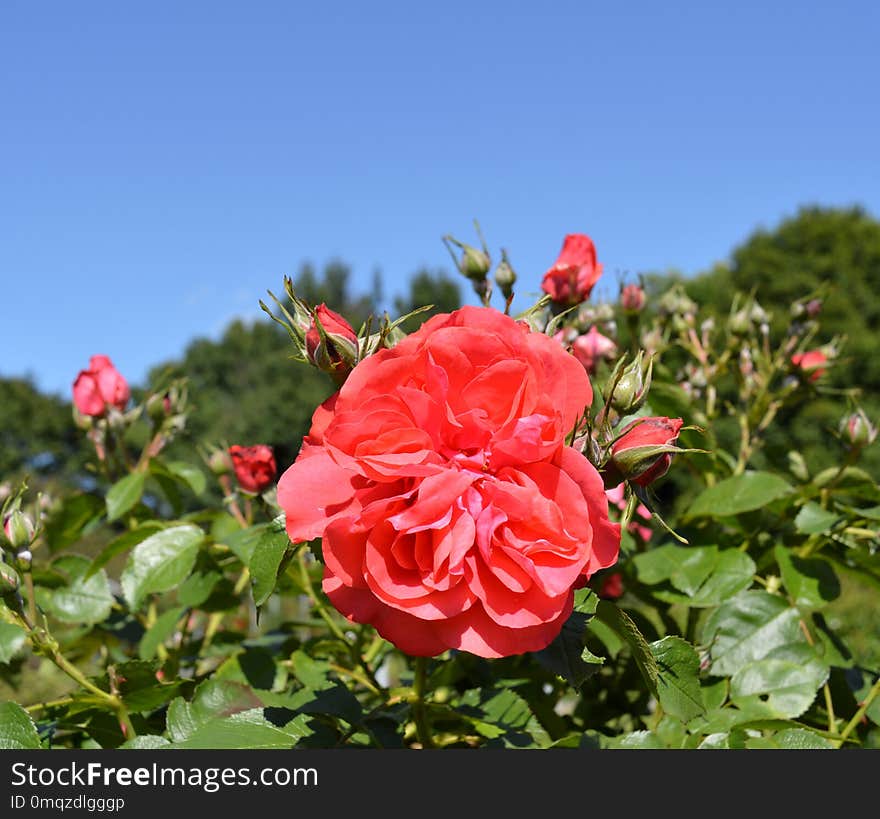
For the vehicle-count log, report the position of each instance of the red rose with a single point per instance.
(811, 363)
(254, 467)
(591, 348)
(453, 515)
(641, 453)
(571, 279)
(99, 387)
(335, 349)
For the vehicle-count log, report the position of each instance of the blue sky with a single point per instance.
(162, 165)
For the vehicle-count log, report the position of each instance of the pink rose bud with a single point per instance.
(857, 430)
(254, 467)
(19, 529)
(810, 363)
(593, 347)
(643, 451)
(633, 298)
(99, 387)
(574, 273)
(813, 307)
(331, 342)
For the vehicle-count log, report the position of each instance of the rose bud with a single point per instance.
(474, 264)
(633, 298)
(643, 451)
(254, 467)
(505, 276)
(857, 430)
(218, 460)
(611, 586)
(591, 348)
(811, 363)
(9, 580)
(331, 342)
(19, 529)
(574, 273)
(630, 389)
(813, 307)
(99, 387)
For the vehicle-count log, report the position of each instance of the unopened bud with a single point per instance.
(505, 276)
(331, 342)
(19, 529)
(24, 559)
(9, 580)
(157, 407)
(813, 307)
(629, 390)
(633, 298)
(473, 263)
(857, 430)
(219, 461)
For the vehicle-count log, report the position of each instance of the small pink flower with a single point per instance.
(99, 387)
(591, 348)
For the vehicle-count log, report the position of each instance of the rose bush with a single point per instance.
(451, 512)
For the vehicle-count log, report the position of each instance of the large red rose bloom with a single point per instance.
(451, 512)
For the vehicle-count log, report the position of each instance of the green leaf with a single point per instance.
(161, 562)
(138, 686)
(246, 729)
(242, 542)
(622, 625)
(197, 588)
(190, 474)
(212, 699)
(638, 740)
(122, 544)
(678, 682)
(749, 627)
(777, 688)
(159, 632)
(733, 740)
(800, 739)
(813, 519)
(811, 582)
(67, 523)
(12, 640)
(506, 715)
(738, 494)
(704, 576)
(124, 494)
(146, 742)
(265, 561)
(84, 600)
(17, 729)
(567, 656)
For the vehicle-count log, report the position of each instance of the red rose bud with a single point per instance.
(811, 363)
(99, 387)
(630, 389)
(611, 587)
(19, 529)
(575, 271)
(254, 467)
(857, 430)
(331, 342)
(643, 451)
(591, 348)
(633, 298)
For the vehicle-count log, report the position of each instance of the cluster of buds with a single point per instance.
(19, 532)
(743, 321)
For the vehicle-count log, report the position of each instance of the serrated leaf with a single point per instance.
(246, 729)
(125, 494)
(800, 739)
(17, 729)
(749, 627)
(739, 494)
(84, 600)
(812, 519)
(123, 543)
(146, 742)
(212, 699)
(566, 656)
(638, 740)
(161, 562)
(622, 625)
(811, 582)
(777, 688)
(678, 681)
(265, 561)
(506, 715)
(12, 640)
(733, 740)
